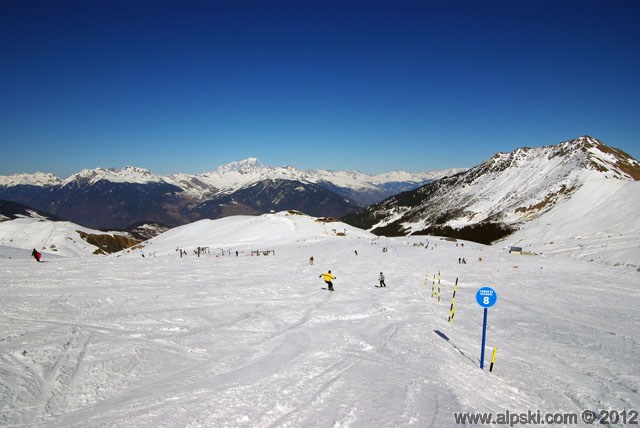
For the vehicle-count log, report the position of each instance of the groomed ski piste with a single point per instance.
(254, 341)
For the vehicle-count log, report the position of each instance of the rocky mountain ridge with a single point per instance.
(505, 191)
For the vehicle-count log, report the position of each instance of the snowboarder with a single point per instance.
(327, 278)
(311, 260)
(36, 255)
(381, 279)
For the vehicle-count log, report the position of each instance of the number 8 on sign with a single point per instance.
(486, 297)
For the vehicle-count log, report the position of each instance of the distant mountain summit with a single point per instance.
(116, 198)
(361, 189)
(245, 166)
(613, 163)
(40, 179)
(128, 174)
(497, 197)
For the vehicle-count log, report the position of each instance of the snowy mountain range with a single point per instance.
(116, 198)
(232, 177)
(237, 175)
(560, 198)
(512, 191)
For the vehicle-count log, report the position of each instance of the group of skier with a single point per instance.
(328, 279)
(328, 276)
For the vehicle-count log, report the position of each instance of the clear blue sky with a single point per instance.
(185, 86)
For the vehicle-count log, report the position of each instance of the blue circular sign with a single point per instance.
(486, 297)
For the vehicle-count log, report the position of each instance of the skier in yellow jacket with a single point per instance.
(327, 278)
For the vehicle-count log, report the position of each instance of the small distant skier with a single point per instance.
(311, 260)
(36, 255)
(327, 279)
(381, 279)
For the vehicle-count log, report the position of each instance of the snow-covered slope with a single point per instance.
(226, 341)
(257, 232)
(52, 238)
(12, 210)
(522, 186)
(598, 223)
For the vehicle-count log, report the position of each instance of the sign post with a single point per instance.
(486, 297)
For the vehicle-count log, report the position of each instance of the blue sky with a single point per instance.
(374, 86)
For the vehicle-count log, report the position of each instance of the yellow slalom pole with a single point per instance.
(493, 359)
(438, 287)
(433, 286)
(452, 308)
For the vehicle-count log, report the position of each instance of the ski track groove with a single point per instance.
(47, 387)
(62, 374)
(325, 383)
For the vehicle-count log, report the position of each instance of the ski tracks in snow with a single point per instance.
(43, 381)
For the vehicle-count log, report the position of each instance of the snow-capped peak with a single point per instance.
(244, 166)
(128, 174)
(35, 179)
(614, 163)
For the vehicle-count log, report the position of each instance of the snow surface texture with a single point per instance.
(254, 341)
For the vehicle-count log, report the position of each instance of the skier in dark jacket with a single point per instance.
(381, 279)
(36, 255)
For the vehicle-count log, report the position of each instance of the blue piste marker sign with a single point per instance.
(486, 297)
